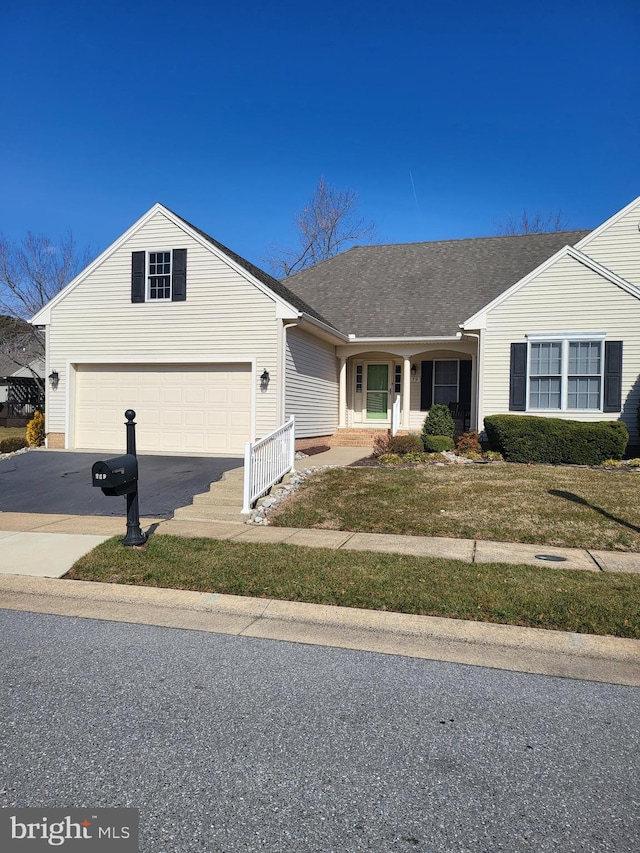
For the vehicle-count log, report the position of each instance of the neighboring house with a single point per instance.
(211, 351)
(20, 390)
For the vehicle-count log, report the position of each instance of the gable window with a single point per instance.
(159, 275)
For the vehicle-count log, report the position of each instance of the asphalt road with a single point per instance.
(60, 482)
(231, 744)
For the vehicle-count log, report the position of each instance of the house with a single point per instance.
(20, 388)
(212, 352)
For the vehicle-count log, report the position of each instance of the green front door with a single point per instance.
(377, 391)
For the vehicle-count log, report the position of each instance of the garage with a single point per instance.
(180, 408)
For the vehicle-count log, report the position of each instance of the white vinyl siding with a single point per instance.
(311, 384)
(618, 247)
(225, 319)
(566, 298)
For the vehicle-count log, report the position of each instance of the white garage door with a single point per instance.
(186, 408)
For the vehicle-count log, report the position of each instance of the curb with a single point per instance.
(530, 650)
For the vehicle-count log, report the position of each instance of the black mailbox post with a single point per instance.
(119, 476)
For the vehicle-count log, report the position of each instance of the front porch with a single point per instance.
(390, 388)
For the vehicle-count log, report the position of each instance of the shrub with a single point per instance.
(633, 463)
(35, 430)
(493, 456)
(380, 444)
(418, 458)
(13, 443)
(439, 421)
(473, 455)
(390, 459)
(403, 444)
(469, 442)
(527, 438)
(612, 463)
(435, 443)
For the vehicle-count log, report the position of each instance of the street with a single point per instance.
(236, 744)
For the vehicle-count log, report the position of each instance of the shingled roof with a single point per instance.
(273, 284)
(421, 289)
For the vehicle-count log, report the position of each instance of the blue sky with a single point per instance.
(229, 115)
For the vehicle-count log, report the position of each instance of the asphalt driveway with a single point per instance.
(60, 482)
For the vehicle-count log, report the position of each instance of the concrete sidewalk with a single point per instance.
(48, 545)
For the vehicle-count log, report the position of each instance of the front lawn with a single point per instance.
(11, 432)
(543, 504)
(538, 597)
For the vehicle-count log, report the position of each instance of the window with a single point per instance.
(159, 275)
(445, 382)
(397, 382)
(358, 379)
(565, 374)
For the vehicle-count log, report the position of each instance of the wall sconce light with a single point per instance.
(264, 380)
(414, 369)
(53, 378)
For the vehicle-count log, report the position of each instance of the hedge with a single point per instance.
(13, 443)
(527, 438)
(437, 443)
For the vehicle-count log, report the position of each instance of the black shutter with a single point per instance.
(179, 276)
(612, 376)
(464, 389)
(518, 378)
(426, 386)
(138, 260)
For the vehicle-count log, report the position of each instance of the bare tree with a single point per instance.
(536, 223)
(327, 225)
(32, 272)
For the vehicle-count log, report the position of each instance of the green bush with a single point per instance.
(527, 438)
(390, 459)
(436, 443)
(439, 421)
(13, 443)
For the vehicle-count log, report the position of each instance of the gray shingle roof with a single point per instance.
(421, 289)
(272, 283)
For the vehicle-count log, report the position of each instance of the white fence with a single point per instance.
(267, 461)
(395, 416)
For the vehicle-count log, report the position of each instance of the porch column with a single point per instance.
(406, 392)
(342, 394)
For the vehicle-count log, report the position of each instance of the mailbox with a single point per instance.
(117, 476)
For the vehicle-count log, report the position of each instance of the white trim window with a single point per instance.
(565, 373)
(158, 275)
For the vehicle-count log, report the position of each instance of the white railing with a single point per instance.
(395, 416)
(267, 461)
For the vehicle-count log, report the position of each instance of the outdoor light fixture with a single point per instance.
(414, 370)
(53, 378)
(264, 379)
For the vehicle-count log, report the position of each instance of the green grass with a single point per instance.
(543, 504)
(539, 597)
(10, 432)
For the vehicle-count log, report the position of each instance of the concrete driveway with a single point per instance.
(52, 481)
